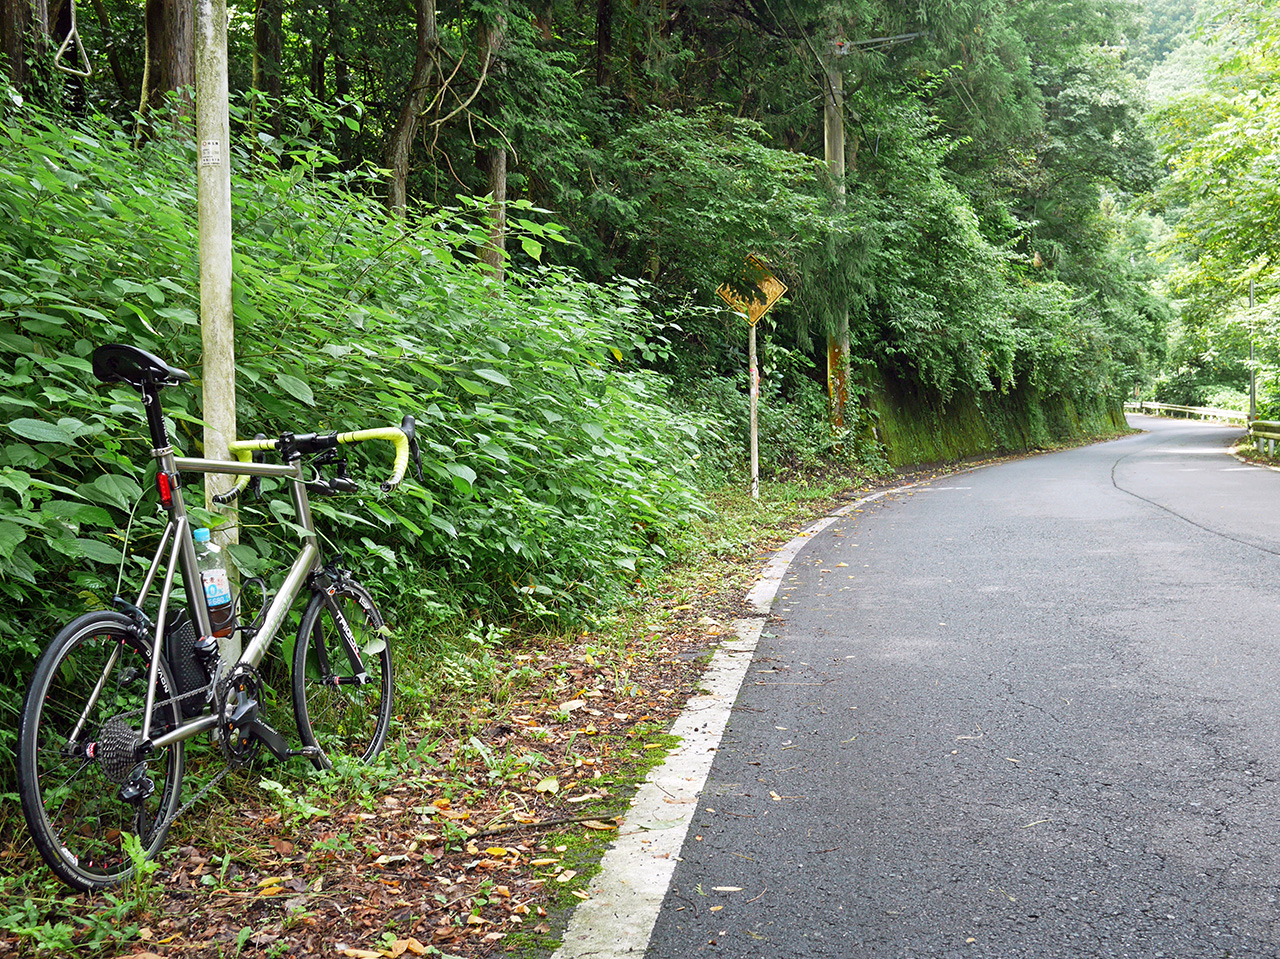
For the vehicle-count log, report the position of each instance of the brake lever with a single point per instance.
(407, 427)
(259, 456)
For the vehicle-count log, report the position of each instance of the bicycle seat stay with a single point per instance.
(120, 363)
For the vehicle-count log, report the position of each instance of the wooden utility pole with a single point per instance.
(833, 149)
(834, 153)
(1253, 370)
(217, 325)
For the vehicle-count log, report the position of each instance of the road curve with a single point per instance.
(1028, 711)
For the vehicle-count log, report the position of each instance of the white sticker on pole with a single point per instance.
(210, 152)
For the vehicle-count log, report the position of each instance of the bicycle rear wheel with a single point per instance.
(335, 711)
(80, 786)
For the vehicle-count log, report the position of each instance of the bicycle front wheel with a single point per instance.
(82, 786)
(341, 637)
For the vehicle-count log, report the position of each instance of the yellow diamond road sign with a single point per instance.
(770, 287)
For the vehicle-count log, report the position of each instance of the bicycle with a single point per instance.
(117, 693)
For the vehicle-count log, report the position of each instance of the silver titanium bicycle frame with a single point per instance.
(178, 543)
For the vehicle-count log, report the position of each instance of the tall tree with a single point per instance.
(20, 22)
(268, 40)
(426, 68)
(170, 53)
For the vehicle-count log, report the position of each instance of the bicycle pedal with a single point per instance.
(307, 751)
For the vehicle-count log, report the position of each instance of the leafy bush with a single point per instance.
(554, 470)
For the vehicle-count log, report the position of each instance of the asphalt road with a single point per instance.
(1028, 711)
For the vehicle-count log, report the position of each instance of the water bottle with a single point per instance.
(217, 585)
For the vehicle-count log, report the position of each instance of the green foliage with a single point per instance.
(1222, 202)
(689, 195)
(554, 472)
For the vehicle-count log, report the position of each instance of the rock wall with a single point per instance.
(917, 426)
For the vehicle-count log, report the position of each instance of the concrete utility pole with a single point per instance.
(217, 324)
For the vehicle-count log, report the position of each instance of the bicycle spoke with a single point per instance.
(75, 794)
(335, 710)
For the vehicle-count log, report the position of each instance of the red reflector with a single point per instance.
(166, 491)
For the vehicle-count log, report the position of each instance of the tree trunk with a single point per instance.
(170, 53)
(495, 156)
(20, 20)
(415, 102)
(604, 40)
(268, 46)
(341, 83)
(494, 253)
(319, 53)
(15, 16)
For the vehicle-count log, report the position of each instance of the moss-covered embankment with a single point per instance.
(918, 426)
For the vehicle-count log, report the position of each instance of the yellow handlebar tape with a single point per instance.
(243, 450)
(393, 435)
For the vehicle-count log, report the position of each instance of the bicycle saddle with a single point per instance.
(118, 363)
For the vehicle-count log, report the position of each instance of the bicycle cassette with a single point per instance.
(237, 702)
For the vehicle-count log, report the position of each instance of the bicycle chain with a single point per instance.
(221, 775)
(171, 819)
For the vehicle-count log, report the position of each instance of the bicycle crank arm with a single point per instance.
(271, 739)
(276, 743)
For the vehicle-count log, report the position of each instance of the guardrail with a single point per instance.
(1268, 430)
(1204, 412)
(1260, 431)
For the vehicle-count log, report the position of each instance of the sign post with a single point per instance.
(768, 290)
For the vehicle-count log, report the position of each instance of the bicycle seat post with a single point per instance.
(148, 374)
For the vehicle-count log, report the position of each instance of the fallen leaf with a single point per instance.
(774, 796)
(550, 785)
(572, 705)
(726, 889)
(566, 875)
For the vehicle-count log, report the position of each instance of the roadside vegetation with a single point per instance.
(580, 539)
(1214, 118)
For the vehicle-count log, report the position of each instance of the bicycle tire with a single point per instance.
(71, 792)
(333, 712)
